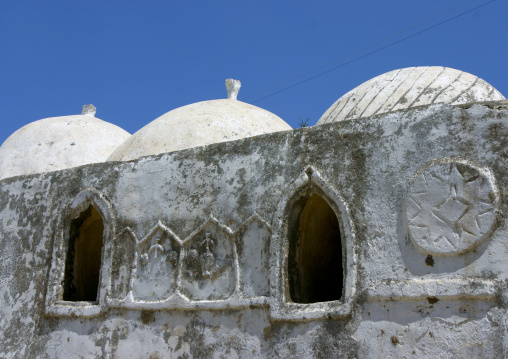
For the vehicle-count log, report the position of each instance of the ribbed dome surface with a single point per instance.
(57, 143)
(410, 87)
(199, 124)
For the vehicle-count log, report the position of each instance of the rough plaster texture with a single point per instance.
(205, 229)
(410, 87)
(199, 124)
(233, 87)
(56, 143)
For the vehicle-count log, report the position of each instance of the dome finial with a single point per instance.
(233, 87)
(89, 110)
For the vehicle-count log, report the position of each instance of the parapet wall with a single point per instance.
(197, 245)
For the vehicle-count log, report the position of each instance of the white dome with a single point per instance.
(57, 143)
(199, 124)
(410, 87)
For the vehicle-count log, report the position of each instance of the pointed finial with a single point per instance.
(233, 87)
(89, 110)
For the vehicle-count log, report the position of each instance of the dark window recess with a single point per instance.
(315, 252)
(83, 261)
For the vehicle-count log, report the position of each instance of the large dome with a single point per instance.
(410, 87)
(57, 143)
(199, 124)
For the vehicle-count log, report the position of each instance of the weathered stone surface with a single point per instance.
(56, 143)
(208, 268)
(410, 87)
(156, 269)
(253, 247)
(401, 299)
(89, 110)
(199, 124)
(233, 87)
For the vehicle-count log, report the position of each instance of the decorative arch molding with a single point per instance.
(212, 267)
(55, 304)
(282, 307)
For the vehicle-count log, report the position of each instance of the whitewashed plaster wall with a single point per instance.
(414, 285)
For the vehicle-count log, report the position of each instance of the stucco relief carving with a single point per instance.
(204, 262)
(208, 270)
(202, 271)
(155, 273)
(253, 247)
(450, 207)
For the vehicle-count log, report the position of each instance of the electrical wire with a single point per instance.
(369, 53)
(362, 49)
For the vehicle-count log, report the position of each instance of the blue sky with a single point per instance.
(136, 60)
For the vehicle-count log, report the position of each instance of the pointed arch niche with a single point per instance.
(315, 271)
(79, 273)
(313, 258)
(83, 259)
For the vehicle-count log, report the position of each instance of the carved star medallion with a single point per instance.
(450, 207)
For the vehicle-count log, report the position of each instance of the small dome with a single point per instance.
(200, 124)
(57, 143)
(410, 87)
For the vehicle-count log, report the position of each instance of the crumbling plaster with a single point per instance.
(402, 301)
(57, 143)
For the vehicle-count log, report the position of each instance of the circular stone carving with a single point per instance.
(450, 207)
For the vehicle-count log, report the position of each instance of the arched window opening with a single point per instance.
(315, 252)
(83, 261)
